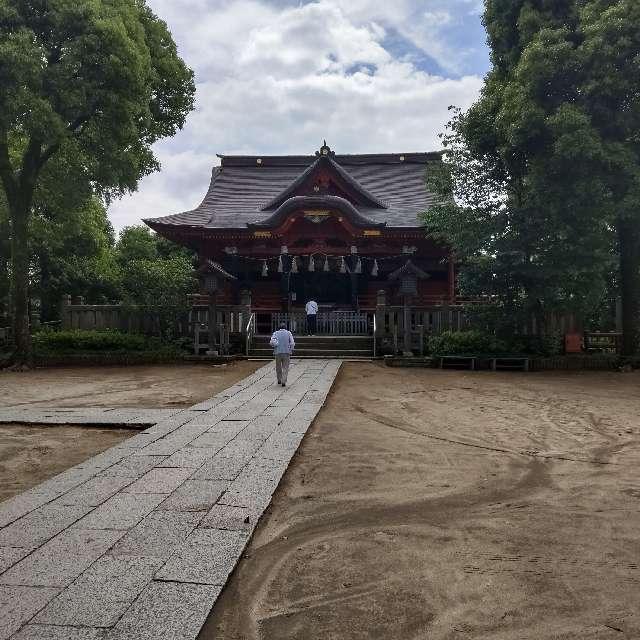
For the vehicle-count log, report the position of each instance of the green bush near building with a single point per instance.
(472, 342)
(479, 343)
(108, 341)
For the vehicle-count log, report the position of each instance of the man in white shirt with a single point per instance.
(283, 345)
(311, 309)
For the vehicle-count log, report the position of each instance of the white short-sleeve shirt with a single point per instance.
(311, 308)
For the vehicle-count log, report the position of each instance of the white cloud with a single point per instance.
(280, 80)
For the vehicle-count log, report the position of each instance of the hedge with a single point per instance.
(77, 340)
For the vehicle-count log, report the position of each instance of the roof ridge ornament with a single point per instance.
(325, 150)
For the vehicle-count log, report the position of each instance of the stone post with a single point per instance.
(65, 313)
(407, 352)
(212, 325)
(381, 305)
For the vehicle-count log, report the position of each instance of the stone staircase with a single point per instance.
(343, 347)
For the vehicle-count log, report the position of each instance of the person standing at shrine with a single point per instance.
(311, 309)
(283, 345)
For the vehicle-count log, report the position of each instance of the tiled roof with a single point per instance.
(243, 185)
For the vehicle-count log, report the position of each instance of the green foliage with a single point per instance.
(86, 88)
(90, 341)
(476, 342)
(72, 253)
(472, 342)
(540, 189)
(155, 274)
(5, 261)
(100, 78)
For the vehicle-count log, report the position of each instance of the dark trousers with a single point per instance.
(312, 325)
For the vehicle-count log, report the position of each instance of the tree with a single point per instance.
(72, 252)
(156, 275)
(5, 260)
(529, 258)
(96, 82)
(558, 119)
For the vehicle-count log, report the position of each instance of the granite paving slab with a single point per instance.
(135, 466)
(48, 632)
(34, 529)
(18, 506)
(159, 535)
(138, 541)
(19, 604)
(195, 495)
(64, 482)
(208, 556)
(159, 480)
(122, 511)
(95, 491)
(167, 611)
(191, 457)
(62, 559)
(222, 467)
(224, 517)
(104, 416)
(10, 556)
(102, 594)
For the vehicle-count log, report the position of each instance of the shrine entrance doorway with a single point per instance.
(331, 290)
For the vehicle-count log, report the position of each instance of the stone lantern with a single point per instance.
(212, 276)
(407, 276)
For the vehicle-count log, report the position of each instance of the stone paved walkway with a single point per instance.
(105, 416)
(137, 542)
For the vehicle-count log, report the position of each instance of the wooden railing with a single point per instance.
(336, 323)
(229, 321)
(432, 320)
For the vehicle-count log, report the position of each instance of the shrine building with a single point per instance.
(343, 230)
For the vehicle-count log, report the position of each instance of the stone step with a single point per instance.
(315, 353)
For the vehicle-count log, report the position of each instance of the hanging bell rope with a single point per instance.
(326, 264)
(374, 270)
(312, 264)
(280, 267)
(294, 265)
(265, 269)
(343, 265)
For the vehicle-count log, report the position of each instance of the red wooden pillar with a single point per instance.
(452, 279)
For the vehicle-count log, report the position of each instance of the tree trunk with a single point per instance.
(629, 246)
(23, 354)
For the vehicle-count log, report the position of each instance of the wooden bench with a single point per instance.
(466, 362)
(510, 363)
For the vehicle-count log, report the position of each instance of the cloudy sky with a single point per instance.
(279, 76)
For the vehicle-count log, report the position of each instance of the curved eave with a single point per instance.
(302, 202)
(368, 199)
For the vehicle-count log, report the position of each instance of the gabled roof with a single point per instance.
(364, 197)
(245, 189)
(408, 269)
(210, 266)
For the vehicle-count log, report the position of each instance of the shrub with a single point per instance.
(551, 344)
(465, 342)
(78, 340)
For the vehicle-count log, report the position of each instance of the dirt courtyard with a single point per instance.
(31, 454)
(154, 386)
(452, 505)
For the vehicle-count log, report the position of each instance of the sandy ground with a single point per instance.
(452, 505)
(138, 386)
(30, 455)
